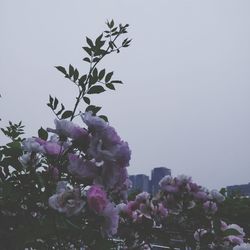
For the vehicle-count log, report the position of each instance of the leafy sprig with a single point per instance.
(96, 81)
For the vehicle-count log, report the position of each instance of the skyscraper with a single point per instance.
(140, 182)
(156, 175)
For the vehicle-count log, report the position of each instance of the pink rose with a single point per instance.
(97, 199)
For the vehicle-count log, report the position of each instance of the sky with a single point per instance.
(185, 103)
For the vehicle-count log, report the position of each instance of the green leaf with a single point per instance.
(67, 114)
(101, 74)
(76, 75)
(61, 110)
(104, 117)
(96, 59)
(55, 103)
(43, 134)
(95, 73)
(92, 80)
(82, 80)
(71, 70)
(86, 99)
(108, 76)
(86, 59)
(112, 23)
(110, 86)
(231, 231)
(89, 42)
(94, 109)
(88, 50)
(61, 69)
(96, 89)
(117, 81)
(51, 100)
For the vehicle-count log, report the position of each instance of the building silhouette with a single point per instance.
(156, 175)
(242, 190)
(141, 182)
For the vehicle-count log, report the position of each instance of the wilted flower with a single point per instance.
(66, 200)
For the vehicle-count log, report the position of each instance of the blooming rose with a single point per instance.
(111, 218)
(97, 199)
(69, 129)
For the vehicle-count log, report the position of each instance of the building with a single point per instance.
(140, 182)
(156, 175)
(243, 190)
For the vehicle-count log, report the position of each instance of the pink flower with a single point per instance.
(52, 148)
(111, 218)
(234, 239)
(97, 199)
(81, 168)
(142, 197)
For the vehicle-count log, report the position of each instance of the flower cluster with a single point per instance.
(181, 206)
(96, 160)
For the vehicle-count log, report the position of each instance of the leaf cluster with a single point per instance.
(96, 80)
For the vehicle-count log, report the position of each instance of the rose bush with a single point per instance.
(67, 187)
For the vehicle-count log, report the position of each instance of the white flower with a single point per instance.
(243, 246)
(25, 159)
(166, 180)
(68, 129)
(217, 196)
(237, 228)
(183, 179)
(31, 145)
(28, 159)
(199, 233)
(93, 121)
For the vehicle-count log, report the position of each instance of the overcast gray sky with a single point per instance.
(185, 104)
